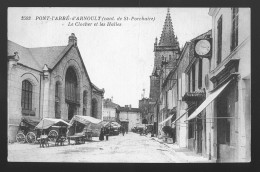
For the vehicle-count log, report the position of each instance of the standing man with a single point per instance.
(123, 131)
(107, 132)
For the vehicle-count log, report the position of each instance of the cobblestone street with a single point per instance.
(129, 148)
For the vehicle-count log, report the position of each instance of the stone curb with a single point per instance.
(162, 142)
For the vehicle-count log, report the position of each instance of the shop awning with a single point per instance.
(186, 111)
(167, 119)
(208, 100)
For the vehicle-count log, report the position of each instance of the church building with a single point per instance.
(166, 53)
(49, 82)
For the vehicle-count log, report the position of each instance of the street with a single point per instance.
(129, 148)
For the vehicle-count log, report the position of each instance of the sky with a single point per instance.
(117, 58)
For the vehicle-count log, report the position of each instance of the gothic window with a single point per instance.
(57, 100)
(71, 86)
(234, 31)
(219, 43)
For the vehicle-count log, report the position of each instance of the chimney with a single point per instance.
(73, 39)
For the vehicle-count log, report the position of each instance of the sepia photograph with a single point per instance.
(129, 85)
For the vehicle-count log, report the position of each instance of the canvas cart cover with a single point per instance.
(115, 124)
(140, 126)
(90, 123)
(48, 122)
(104, 123)
(28, 120)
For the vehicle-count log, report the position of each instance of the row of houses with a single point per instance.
(203, 90)
(127, 116)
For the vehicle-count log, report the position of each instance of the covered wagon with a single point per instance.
(26, 130)
(83, 128)
(54, 129)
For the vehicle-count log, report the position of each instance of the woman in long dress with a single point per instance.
(101, 136)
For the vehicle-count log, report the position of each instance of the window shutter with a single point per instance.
(183, 88)
(179, 89)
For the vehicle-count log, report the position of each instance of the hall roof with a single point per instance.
(36, 58)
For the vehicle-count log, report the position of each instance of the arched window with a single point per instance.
(26, 100)
(85, 98)
(84, 112)
(94, 108)
(57, 100)
(71, 85)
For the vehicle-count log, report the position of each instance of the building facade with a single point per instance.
(194, 80)
(130, 117)
(166, 53)
(230, 66)
(49, 82)
(210, 93)
(110, 111)
(146, 109)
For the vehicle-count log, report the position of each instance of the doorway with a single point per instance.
(199, 135)
(71, 110)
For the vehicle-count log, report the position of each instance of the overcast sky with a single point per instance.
(117, 58)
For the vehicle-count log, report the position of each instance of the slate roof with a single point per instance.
(36, 58)
(47, 55)
(124, 109)
(108, 103)
(167, 37)
(25, 56)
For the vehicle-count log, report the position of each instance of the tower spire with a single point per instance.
(167, 37)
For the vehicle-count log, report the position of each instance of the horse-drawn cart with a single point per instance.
(52, 129)
(26, 130)
(83, 128)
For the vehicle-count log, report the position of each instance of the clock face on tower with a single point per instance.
(202, 47)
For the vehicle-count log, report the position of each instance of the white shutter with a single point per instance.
(183, 87)
(179, 89)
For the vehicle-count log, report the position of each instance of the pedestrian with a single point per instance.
(123, 131)
(107, 132)
(101, 136)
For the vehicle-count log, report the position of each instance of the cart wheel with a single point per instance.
(53, 135)
(20, 138)
(31, 137)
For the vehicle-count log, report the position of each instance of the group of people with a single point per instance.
(104, 132)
